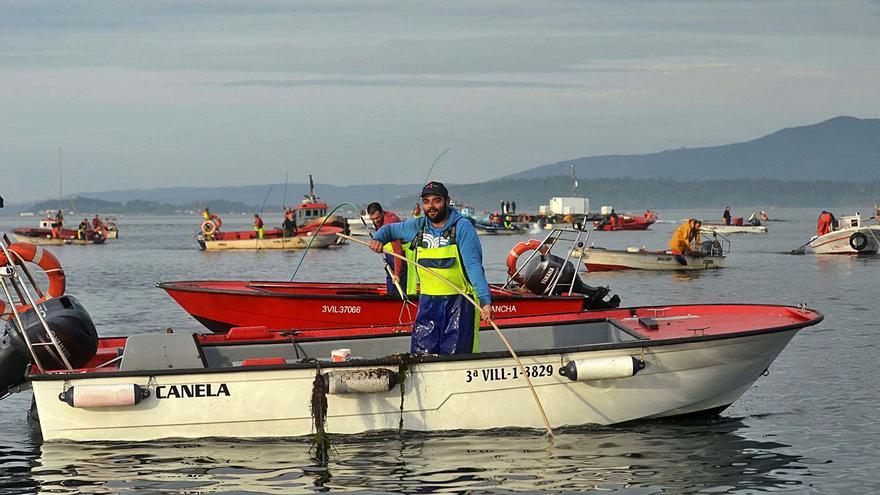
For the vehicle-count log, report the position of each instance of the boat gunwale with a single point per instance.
(425, 359)
(263, 292)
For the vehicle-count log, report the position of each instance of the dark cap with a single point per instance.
(435, 188)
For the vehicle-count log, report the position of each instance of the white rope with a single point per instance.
(491, 322)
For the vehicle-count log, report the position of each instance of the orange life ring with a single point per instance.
(45, 260)
(208, 227)
(520, 248)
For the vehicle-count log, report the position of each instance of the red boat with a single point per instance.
(221, 305)
(627, 222)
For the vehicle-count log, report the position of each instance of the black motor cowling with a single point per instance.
(73, 329)
(543, 270)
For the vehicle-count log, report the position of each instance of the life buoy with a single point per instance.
(858, 241)
(50, 265)
(208, 227)
(520, 248)
(525, 218)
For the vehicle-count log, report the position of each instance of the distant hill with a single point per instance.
(839, 149)
(256, 194)
(637, 194)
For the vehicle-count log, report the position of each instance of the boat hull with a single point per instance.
(295, 242)
(472, 394)
(600, 259)
(734, 229)
(841, 241)
(626, 222)
(304, 305)
(42, 240)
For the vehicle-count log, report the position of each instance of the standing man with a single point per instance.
(289, 224)
(726, 216)
(399, 273)
(258, 226)
(446, 322)
(96, 222)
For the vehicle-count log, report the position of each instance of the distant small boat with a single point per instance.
(272, 239)
(627, 221)
(721, 228)
(598, 259)
(26, 214)
(43, 237)
(851, 237)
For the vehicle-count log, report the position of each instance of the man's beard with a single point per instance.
(437, 215)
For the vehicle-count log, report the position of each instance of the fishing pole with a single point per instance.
(263, 206)
(388, 270)
(285, 193)
(431, 169)
(476, 304)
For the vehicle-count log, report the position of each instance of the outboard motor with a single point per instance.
(711, 248)
(72, 327)
(543, 270)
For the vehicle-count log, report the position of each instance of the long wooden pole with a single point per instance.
(479, 309)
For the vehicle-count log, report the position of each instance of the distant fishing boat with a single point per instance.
(711, 255)
(314, 230)
(850, 237)
(627, 221)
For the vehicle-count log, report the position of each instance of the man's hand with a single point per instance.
(486, 312)
(376, 246)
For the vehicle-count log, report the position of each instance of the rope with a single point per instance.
(479, 309)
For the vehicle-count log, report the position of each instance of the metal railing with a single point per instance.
(577, 239)
(11, 281)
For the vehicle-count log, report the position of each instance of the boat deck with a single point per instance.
(255, 347)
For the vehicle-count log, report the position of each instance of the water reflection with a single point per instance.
(642, 458)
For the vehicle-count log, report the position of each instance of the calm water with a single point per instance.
(809, 427)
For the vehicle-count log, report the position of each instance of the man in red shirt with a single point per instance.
(379, 218)
(826, 223)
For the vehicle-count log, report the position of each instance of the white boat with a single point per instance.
(720, 228)
(598, 259)
(598, 367)
(850, 237)
(586, 369)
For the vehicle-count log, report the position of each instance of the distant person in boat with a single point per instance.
(613, 219)
(59, 220)
(399, 272)
(508, 222)
(258, 226)
(446, 322)
(289, 224)
(683, 236)
(82, 231)
(416, 212)
(826, 223)
(726, 216)
(96, 222)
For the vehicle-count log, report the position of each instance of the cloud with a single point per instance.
(412, 83)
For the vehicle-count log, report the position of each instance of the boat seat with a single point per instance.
(249, 333)
(160, 352)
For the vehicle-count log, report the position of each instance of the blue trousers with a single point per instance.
(444, 325)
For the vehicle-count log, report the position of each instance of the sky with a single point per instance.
(228, 92)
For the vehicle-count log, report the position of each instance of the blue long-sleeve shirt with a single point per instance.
(465, 238)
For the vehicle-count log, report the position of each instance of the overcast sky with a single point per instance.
(150, 94)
